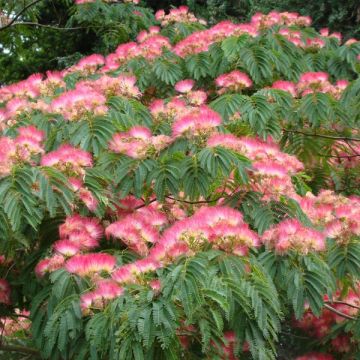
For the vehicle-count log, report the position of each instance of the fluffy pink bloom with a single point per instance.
(233, 81)
(184, 86)
(49, 265)
(42, 267)
(196, 98)
(108, 289)
(66, 248)
(83, 232)
(135, 231)
(229, 141)
(82, 102)
(286, 86)
(138, 142)
(87, 264)
(199, 121)
(89, 64)
(7, 154)
(125, 274)
(315, 43)
(313, 81)
(68, 159)
(292, 235)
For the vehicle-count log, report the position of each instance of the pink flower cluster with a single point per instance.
(312, 82)
(139, 229)
(233, 81)
(88, 264)
(122, 85)
(326, 33)
(201, 41)
(77, 234)
(263, 21)
(80, 103)
(68, 159)
(21, 149)
(338, 215)
(177, 15)
(88, 65)
(28, 88)
(271, 168)
(10, 326)
(292, 235)
(219, 227)
(320, 327)
(138, 142)
(144, 35)
(105, 291)
(166, 112)
(150, 46)
(196, 122)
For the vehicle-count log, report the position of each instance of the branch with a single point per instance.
(194, 202)
(27, 23)
(19, 349)
(323, 136)
(342, 303)
(145, 204)
(19, 14)
(339, 312)
(339, 156)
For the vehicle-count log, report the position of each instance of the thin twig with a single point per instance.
(194, 202)
(27, 23)
(337, 312)
(19, 14)
(342, 303)
(146, 204)
(323, 136)
(339, 156)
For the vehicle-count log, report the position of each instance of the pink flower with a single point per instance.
(199, 121)
(135, 231)
(88, 264)
(68, 159)
(234, 81)
(184, 86)
(286, 86)
(66, 248)
(292, 235)
(83, 232)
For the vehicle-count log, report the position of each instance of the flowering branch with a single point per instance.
(19, 14)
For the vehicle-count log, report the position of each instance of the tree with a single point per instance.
(193, 194)
(38, 44)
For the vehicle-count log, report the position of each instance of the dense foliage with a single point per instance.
(54, 34)
(194, 194)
